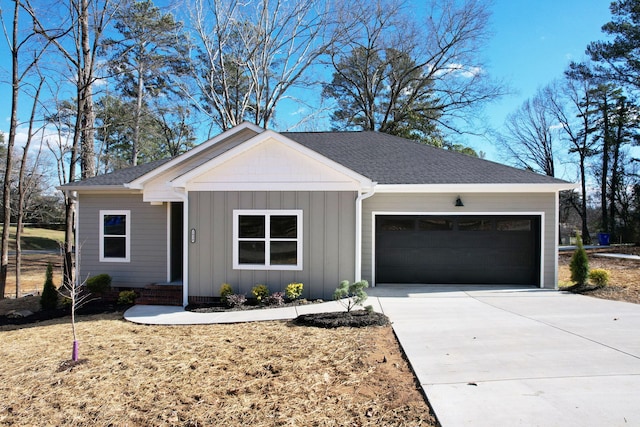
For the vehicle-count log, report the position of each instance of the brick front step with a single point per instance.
(160, 295)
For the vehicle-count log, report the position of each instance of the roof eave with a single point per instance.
(97, 188)
(476, 188)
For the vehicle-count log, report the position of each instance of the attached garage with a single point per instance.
(458, 249)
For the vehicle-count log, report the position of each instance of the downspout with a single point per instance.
(184, 195)
(556, 237)
(359, 199)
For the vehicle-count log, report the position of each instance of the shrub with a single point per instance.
(127, 297)
(261, 292)
(225, 291)
(236, 300)
(354, 293)
(99, 284)
(276, 298)
(49, 297)
(579, 265)
(293, 290)
(599, 277)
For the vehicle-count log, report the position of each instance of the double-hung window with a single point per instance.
(115, 236)
(267, 239)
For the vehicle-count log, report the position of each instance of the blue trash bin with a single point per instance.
(603, 239)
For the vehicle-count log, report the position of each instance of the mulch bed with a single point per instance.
(93, 307)
(353, 319)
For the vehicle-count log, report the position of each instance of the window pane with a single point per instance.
(513, 225)
(471, 224)
(284, 227)
(284, 253)
(429, 224)
(397, 224)
(251, 252)
(115, 247)
(115, 225)
(251, 226)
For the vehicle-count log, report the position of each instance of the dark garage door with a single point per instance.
(458, 249)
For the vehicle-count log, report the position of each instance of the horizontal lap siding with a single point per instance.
(328, 241)
(148, 240)
(479, 202)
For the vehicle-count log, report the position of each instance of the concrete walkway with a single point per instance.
(498, 356)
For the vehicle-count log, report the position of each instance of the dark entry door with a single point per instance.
(458, 249)
(176, 232)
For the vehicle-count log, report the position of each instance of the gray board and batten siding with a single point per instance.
(328, 241)
(148, 257)
(474, 203)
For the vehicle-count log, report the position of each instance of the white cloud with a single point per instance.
(460, 70)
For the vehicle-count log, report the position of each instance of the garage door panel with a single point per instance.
(458, 250)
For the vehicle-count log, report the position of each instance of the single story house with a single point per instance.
(253, 206)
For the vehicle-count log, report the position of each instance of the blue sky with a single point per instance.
(532, 44)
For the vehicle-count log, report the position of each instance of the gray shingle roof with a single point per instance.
(388, 159)
(383, 158)
(120, 176)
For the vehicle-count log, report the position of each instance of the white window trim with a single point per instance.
(267, 213)
(127, 235)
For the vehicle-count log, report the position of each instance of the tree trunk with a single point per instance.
(69, 205)
(138, 114)
(586, 238)
(22, 188)
(6, 187)
(85, 77)
(615, 167)
(68, 241)
(606, 147)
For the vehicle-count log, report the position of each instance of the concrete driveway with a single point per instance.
(519, 356)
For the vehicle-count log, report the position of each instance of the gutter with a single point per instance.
(359, 199)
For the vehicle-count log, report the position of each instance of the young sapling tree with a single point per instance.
(350, 295)
(76, 292)
(579, 264)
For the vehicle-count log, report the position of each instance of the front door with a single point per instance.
(176, 241)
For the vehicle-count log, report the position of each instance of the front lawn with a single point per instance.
(625, 274)
(258, 374)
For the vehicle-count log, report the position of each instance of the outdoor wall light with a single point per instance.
(459, 202)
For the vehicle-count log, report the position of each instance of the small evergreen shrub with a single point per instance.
(236, 300)
(126, 297)
(260, 292)
(599, 277)
(579, 265)
(225, 290)
(99, 284)
(276, 298)
(293, 291)
(353, 293)
(49, 297)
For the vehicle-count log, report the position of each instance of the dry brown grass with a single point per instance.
(258, 374)
(624, 282)
(34, 267)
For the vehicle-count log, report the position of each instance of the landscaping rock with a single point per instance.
(19, 314)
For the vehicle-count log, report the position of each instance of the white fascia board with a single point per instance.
(474, 188)
(99, 189)
(183, 180)
(139, 182)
